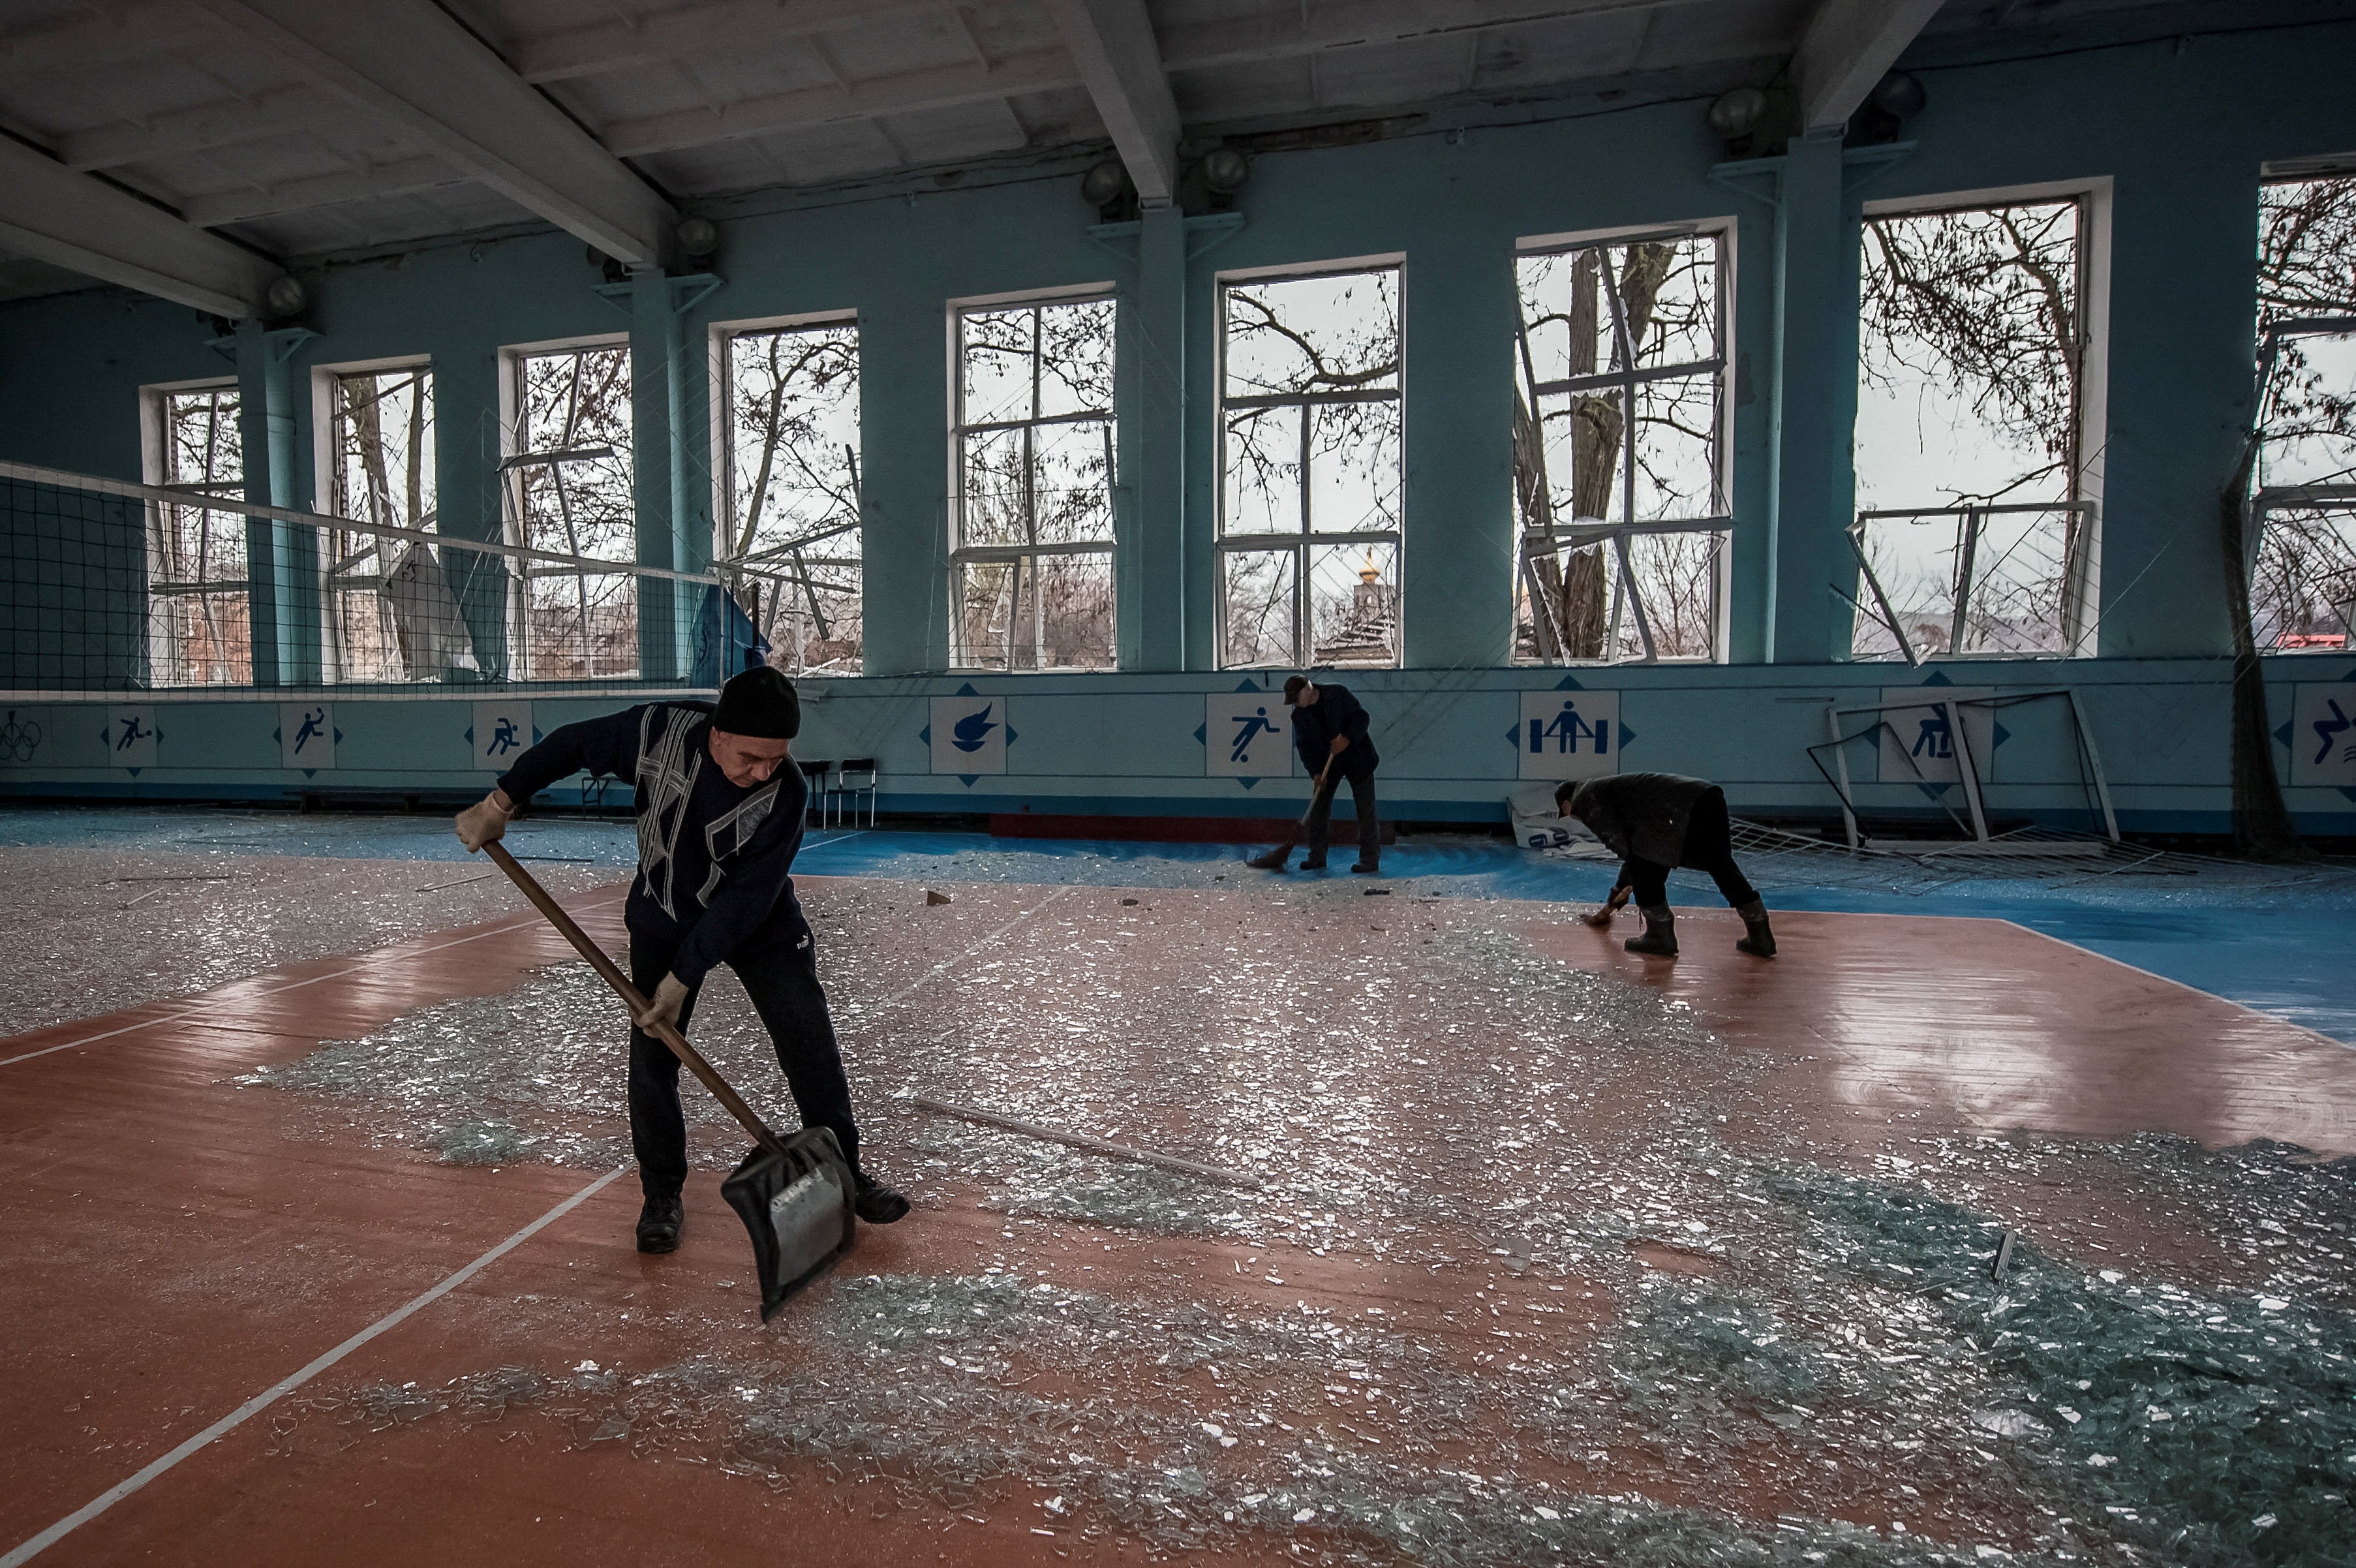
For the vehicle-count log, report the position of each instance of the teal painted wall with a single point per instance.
(2179, 131)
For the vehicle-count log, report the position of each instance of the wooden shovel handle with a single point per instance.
(612, 971)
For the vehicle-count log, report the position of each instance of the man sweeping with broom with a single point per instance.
(720, 809)
(1655, 823)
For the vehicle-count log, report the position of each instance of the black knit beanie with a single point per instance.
(759, 703)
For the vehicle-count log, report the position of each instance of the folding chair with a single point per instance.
(857, 776)
(814, 774)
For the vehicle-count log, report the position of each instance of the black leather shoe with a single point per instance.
(878, 1203)
(1314, 863)
(659, 1224)
(1367, 868)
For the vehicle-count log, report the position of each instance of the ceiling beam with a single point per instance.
(939, 87)
(83, 40)
(709, 31)
(297, 108)
(1288, 32)
(319, 190)
(409, 63)
(52, 214)
(1849, 46)
(1112, 41)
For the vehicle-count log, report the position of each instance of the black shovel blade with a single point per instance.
(797, 1205)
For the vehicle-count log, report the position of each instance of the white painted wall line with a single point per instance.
(185, 1014)
(287, 1385)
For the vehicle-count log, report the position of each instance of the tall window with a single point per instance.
(791, 546)
(1619, 449)
(1973, 530)
(2303, 581)
(198, 629)
(568, 488)
(391, 615)
(1310, 474)
(1030, 578)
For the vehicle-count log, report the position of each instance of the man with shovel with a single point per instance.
(1329, 730)
(721, 808)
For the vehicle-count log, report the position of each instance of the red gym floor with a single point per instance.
(184, 1253)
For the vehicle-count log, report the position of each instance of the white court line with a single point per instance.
(946, 964)
(285, 1386)
(2184, 985)
(186, 1013)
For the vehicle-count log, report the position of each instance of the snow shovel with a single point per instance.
(1274, 859)
(793, 1194)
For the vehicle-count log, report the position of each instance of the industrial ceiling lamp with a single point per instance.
(1224, 170)
(1737, 113)
(1108, 188)
(699, 239)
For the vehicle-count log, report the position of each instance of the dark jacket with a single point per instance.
(1640, 816)
(1334, 713)
(713, 859)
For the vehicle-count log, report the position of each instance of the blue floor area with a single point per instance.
(2278, 942)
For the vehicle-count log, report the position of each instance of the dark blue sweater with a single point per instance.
(1334, 713)
(713, 859)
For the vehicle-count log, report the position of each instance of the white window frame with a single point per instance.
(2081, 611)
(327, 466)
(511, 516)
(1615, 537)
(721, 335)
(155, 456)
(1301, 544)
(961, 554)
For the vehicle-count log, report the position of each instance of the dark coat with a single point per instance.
(1335, 712)
(1640, 816)
(714, 859)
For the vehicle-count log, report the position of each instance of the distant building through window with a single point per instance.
(1309, 539)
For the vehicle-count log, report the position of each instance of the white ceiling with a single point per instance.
(709, 97)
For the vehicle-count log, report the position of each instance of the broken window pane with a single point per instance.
(569, 492)
(1258, 590)
(1031, 571)
(197, 630)
(2302, 534)
(1619, 412)
(1310, 420)
(791, 548)
(1970, 391)
(382, 436)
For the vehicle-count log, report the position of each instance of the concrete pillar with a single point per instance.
(903, 430)
(283, 562)
(1813, 417)
(665, 631)
(1457, 332)
(1150, 557)
(468, 495)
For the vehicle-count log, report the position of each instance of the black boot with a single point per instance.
(1316, 861)
(1273, 860)
(1660, 938)
(1760, 941)
(878, 1203)
(659, 1223)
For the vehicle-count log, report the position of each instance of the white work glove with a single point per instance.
(664, 1006)
(485, 822)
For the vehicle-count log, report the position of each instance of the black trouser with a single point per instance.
(1370, 833)
(779, 964)
(1709, 846)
